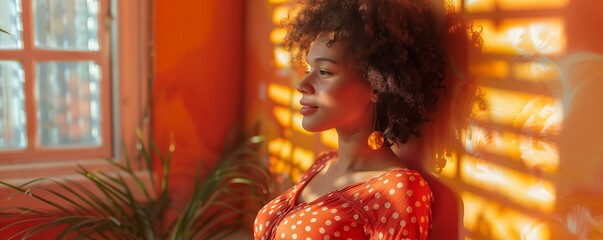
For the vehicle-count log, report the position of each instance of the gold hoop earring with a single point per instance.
(376, 139)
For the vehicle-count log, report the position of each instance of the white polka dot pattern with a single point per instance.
(395, 205)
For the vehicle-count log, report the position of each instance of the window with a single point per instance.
(61, 97)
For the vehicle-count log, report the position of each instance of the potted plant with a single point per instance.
(237, 186)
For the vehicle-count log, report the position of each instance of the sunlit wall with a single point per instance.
(531, 160)
(523, 145)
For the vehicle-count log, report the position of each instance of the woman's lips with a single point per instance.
(307, 108)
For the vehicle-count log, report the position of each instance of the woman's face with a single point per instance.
(334, 93)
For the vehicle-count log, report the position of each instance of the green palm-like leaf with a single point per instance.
(216, 207)
(112, 210)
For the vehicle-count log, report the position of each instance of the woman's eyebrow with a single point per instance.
(324, 59)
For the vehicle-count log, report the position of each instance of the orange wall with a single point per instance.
(196, 94)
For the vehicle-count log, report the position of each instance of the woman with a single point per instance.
(374, 70)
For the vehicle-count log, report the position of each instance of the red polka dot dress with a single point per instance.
(394, 205)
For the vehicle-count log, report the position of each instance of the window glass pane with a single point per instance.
(10, 21)
(68, 98)
(66, 24)
(12, 107)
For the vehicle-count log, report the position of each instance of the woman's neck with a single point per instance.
(355, 154)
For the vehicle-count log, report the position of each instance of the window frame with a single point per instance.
(127, 32)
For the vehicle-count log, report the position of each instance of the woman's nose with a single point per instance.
(305, 86)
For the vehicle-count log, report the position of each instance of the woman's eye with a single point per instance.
(323, 72)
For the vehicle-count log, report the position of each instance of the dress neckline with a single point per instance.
(300, 186)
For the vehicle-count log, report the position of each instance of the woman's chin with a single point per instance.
(312, 127)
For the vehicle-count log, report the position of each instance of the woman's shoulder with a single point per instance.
(397, 203)
(402, 173)
(400, 177)
(394, 185)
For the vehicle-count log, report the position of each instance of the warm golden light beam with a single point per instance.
(539, 155)
(303, 158)
(456, 5)
(479, 5)
(505, 5)
(283, 116)
(519, 187)
(531, 4)
(524, 36)
(279, 14)
(278, 166)
(531, 149)
(536, 231)
(282, 58)
(504, 106)
(329, 138)
(278, 35)
(288, 159)
(489, 219)
(292, 165)
(475, 140)
(280, 94)
(277, 1)
(446, 164)
(280, 147)
(541, 191)
(541, 114)
(513, 108)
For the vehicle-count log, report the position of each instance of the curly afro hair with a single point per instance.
(395, 43)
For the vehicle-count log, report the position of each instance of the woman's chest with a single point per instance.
(331, 218)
